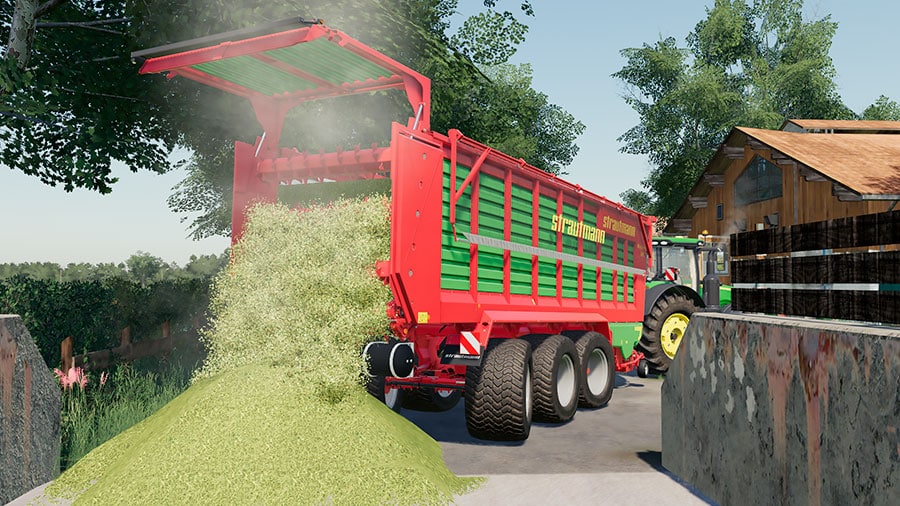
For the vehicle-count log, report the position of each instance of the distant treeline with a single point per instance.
(142, 268)
(93, 303)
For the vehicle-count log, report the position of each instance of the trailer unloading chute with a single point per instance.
(509, 284)
(277, 67)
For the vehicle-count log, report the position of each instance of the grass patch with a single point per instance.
(251, 435)
(95, 413)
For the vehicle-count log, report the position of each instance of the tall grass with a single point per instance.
(95, 413)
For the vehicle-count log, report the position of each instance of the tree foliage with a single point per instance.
(747, 63)
(94, 312)
(511, 116)
(72, 102)
(142, 268)
(884, 109)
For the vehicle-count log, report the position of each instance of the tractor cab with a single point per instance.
(686, 261)
(686, 277)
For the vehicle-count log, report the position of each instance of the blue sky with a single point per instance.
(573, 47)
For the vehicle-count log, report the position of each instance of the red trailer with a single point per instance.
(512, 287)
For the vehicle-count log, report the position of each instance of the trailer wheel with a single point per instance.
(664, 327)
(598, 369)
(392, 397)
(557, 378)
(498, 393)
(431, 399)
(643, 368)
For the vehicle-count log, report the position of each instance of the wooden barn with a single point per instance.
(808, 171)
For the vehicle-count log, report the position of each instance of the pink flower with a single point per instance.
(103, 377)
(74, 376)
(63, 379)
(82, 378)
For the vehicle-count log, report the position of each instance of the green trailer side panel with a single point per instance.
(606, 279)
(546, 240)
(570, 246)
(491, 223)
(625, 336)
(589, 275)
(455, 253)
(520, 232)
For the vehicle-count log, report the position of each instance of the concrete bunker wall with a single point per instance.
(766, 410)
(29, 413)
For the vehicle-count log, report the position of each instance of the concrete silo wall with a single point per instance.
(29, 413)
(766, 410)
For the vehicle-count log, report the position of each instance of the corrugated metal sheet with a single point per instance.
(248, 72)
(868, 164)
(330, 62)
(319, 58)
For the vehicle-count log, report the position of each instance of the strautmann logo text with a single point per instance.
(577, 228)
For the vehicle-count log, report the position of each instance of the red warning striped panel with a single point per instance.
(469, 345)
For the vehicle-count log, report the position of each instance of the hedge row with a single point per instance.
(95, 312)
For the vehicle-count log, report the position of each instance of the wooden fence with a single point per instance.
(126, 351)
(846, 269)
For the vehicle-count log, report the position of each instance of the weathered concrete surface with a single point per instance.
(760, 410)
(29, 413)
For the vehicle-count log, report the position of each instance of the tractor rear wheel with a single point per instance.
(431, 399)
(378, 388)
(557, 378)
(498, 393)
(664, 328)
(598, 370)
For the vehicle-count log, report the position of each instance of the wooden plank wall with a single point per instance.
(847, 268)
(814, 202)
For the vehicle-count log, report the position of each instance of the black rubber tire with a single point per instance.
(643, 368)
(650, 344)
(549, 356)
(431, 399)
(498, 393)
(598, 370)
(375, 385)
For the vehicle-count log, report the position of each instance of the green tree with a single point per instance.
(751, 64)
(108, 270)
(511, 116)
(884, 109)
(70, 99)
(145, 268)
(48, 271)
(72, 102)
(462, 97)
(207, 265)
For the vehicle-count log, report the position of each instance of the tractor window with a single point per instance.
(682, 259)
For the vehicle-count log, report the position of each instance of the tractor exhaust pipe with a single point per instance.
(711, 282)
(390, 359)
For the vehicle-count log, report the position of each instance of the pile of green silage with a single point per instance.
(277, 414)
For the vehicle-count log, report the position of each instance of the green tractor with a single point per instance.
(683, 269)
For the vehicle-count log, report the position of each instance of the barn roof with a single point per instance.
(866, 164)
(862, 166)
(840, 126)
